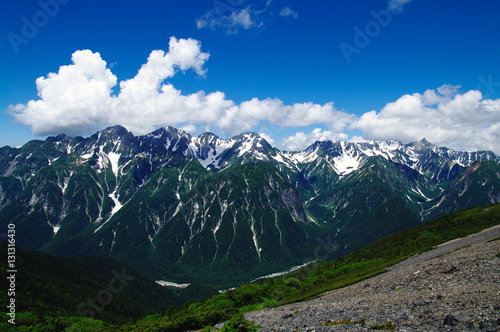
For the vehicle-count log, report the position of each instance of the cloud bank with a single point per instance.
(79, 100)
(443, 116)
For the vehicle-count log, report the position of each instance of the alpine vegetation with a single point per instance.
(225, 211)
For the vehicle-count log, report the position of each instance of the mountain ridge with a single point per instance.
(185, 143)
(187, 208)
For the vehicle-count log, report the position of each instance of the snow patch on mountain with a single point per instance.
(65, 183)
(247, 144)
(216, 148)
(302, 157)
(117, 206)
(113, 159)
(346, 164)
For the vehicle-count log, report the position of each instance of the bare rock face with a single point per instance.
(455, 287)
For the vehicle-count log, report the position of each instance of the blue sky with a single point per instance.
(294, 71)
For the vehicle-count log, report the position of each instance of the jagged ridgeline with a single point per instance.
(225, 211)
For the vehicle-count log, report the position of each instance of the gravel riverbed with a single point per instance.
(455, 287)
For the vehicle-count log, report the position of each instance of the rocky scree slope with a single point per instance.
(454, 287)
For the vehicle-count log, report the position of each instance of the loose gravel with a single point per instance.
(455, 287)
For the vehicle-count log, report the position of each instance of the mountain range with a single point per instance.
(226, 211)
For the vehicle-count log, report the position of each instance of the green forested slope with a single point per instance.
(52, 293)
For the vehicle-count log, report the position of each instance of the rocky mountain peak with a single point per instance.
(208, 138)
(236, 204)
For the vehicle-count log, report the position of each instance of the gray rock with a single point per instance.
(450, 320)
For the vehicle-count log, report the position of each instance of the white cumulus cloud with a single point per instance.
(444, 117)
(300, 140)
(78, 99)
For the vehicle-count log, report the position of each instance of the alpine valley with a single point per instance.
(221, 212)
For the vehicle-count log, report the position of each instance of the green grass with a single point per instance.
(347, 321)
(389, 326)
